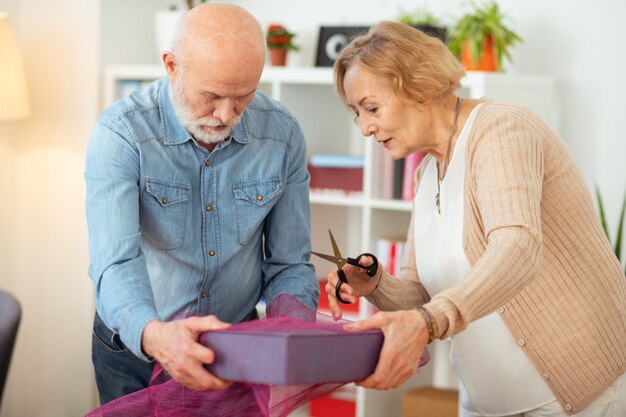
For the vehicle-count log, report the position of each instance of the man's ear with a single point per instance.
(169, 62)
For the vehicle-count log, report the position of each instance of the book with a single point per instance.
(336, 161)
(411, 162)
(385, 178)
(398, 174)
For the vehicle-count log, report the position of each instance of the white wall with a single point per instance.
(44, 245)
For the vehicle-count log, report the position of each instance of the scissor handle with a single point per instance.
(342, 279)
(372, 269)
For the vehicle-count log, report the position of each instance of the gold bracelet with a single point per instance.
(430, 323)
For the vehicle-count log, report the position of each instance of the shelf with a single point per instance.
(396, 205)
(298, 75)
(357, 220)
(336, 198)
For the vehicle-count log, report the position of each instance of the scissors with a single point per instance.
(340, 261)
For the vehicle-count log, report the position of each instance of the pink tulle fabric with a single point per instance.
(167, 398)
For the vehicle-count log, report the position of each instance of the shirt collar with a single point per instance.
(173, 133)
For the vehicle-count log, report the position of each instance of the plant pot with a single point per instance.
(487, 60)
(278, 57)
(164, 26)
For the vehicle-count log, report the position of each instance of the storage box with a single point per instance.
(344, 179)
(329, 406)
(293, 357)
(430, 402)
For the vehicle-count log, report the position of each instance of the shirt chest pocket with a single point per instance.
(163, 213)
(253, 202)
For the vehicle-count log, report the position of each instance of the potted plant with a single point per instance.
(620, 226)
(425, 21)
(165, 23)
(481, 39)
(279, 41)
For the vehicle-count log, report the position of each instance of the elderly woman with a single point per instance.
(505, 255)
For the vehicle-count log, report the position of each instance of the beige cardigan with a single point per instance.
(538, 254)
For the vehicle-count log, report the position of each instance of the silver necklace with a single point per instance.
(445, 167)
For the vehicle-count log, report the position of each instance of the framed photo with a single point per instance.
(332, 40)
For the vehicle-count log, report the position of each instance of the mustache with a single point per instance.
(210, 122)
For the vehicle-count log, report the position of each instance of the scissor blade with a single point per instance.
(329, 258)
(336, 250)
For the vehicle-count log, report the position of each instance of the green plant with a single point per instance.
(192, 3)
(279, 37)
(418, 17)
(482, 22)
(620, 227)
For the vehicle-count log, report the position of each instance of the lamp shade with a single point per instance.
(14, 103)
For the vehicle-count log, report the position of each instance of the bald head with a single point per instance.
(214, 67)
(219, 34)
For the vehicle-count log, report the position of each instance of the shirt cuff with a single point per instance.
(136, 327)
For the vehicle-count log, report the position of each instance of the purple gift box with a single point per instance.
(293, 356)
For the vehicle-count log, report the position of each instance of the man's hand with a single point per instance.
(406, 337)
(175, 346)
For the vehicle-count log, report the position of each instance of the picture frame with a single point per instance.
(332, 39)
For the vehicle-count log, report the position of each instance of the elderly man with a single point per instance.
(197, 205)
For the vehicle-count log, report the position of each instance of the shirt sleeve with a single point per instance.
(117, 266)
(287, 231)
(505, 173)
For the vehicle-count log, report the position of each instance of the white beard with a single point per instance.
(200, 129)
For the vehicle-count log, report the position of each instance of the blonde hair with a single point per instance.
(419, 67)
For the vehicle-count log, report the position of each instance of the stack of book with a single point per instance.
(335, 172)
(389, 253)
(397, 180)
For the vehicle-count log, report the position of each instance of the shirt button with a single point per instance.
(521, 342)
(545, 377)
(501, 310)
(212, 253)
(465, 246)
(203, 295)
(568, 407)
(207, 163)
(164, 200)
(209, 207)
(259, 197)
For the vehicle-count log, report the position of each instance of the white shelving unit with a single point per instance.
(358, 220)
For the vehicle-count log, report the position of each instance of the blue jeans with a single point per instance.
(118, 370)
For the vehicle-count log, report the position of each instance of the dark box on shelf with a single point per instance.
(293, 357)
(346, 179)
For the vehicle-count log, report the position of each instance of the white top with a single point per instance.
(496, 376)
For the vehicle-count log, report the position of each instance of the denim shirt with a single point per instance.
(174, 228)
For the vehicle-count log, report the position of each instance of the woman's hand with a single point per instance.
(359, 285)
(406, 337)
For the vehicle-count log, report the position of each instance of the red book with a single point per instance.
(323, 302)
(408, 181)
(392, 258)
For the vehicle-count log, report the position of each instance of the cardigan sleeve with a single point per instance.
(504, 162)
(404, 291)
